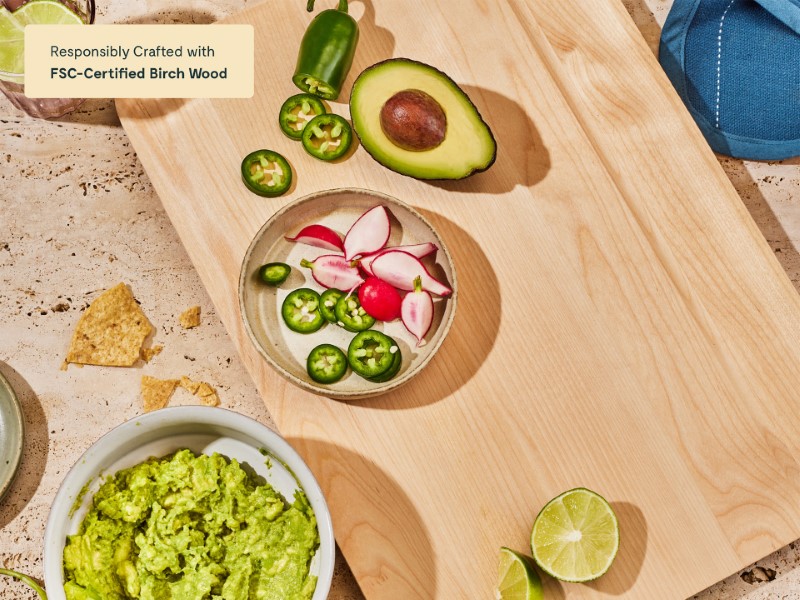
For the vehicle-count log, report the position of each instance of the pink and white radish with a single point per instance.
(333, 271)
(368, 234)
(418, 250)
(319, 236)
(400, 269)
(416, 311)
(379, 299)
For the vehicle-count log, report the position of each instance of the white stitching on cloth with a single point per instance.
(719, 59)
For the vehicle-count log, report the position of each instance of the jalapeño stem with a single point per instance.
(342, 6)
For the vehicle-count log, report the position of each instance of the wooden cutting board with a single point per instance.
(622, 324)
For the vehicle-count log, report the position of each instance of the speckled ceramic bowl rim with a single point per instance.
(13, 411)
(91, 464)
(379, 388)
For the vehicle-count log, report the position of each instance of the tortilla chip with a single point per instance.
(212, 400)
(157, 392)
(111, 331)
(190, 317)
(208, 395)
(204, 389)
(148, 353)
(190, 385)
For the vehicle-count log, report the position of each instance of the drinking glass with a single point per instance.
(13, 85)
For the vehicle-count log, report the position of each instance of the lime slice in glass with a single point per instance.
(576, 536)
(46, 12)
(12, 32)
(517, 579)
(12, 36)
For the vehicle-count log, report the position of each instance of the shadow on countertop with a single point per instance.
(36, 444)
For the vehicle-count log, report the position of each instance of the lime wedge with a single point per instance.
(576, 536)
(12, 32)
(517, 579)
(46, 12)
(12, 35)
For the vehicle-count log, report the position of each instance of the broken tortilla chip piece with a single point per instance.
(111, 331)
(190, 317)
(211, 400)
(190, 385)
(157, 392)
(149, 353)
(204, 389)
(208, 395)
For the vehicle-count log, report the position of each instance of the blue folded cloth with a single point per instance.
(787, 11)
(736, 65)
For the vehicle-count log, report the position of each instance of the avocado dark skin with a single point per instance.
(415, 120)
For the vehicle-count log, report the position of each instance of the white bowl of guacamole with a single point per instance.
(190, 503)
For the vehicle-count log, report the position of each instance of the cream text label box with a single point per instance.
(139, 61)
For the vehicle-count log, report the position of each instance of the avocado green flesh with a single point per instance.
(468, 146)
(191, 528)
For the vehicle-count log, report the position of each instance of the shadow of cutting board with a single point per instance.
(622, 324)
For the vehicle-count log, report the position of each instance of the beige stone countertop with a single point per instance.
(78, 215)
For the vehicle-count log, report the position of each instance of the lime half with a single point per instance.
(12, 36)
(576, 536)
(517, 579)
(12, 32)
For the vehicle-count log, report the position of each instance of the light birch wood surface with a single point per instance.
(622, 324)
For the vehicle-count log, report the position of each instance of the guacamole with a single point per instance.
(189, 527)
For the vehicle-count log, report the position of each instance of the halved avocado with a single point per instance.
(394, 107)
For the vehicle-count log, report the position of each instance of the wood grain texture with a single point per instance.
(622, 325)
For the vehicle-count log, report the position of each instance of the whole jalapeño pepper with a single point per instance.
(326, 52)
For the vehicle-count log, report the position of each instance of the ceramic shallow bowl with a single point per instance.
(260, 304)
(12, 429)
(203, 430)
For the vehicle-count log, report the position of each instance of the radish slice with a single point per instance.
(400, 269)
(417, 312)
(320, 237)
(332, 271)
(418, 250)
(379, 299)
(368, 234)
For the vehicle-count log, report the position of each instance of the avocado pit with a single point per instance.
(413, 120)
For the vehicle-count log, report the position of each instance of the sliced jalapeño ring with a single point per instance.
(266, 173)
(327, 137)
(297, 111)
